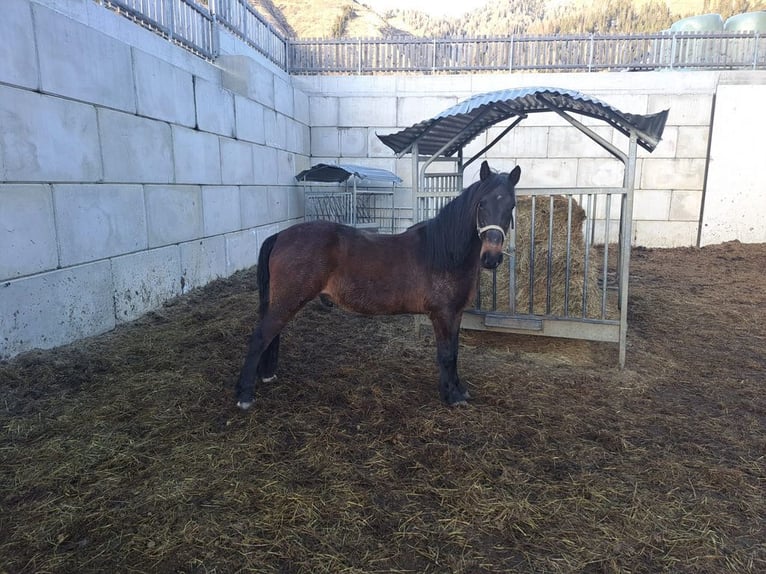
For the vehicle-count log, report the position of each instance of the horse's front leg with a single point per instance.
(447, 330)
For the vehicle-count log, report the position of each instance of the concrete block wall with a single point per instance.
(347, 113)
(131, 171)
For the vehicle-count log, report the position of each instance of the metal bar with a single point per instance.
(608, 146)
(625, 243)
(586, 271)
(512, 271)
(589, 330)
(532, 258)
(605, 270)
(568, 270)
(494, 141)
(549, 266)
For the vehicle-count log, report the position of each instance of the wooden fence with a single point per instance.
(196, 27)
(529, 53)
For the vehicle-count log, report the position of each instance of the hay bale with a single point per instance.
(558, 264)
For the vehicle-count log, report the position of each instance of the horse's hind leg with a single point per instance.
(261, 339)
(267, 367)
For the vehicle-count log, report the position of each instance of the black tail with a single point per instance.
(267, 366)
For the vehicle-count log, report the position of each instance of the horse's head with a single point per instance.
(494, 213)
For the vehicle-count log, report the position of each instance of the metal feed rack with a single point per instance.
(442, 140)
(369, 207)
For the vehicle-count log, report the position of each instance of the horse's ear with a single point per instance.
(485, 171)
(514, 176)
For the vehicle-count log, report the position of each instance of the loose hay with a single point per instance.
(125, 452)
(570, 284)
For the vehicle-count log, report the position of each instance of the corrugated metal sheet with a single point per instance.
(341, 172)
(464, 121)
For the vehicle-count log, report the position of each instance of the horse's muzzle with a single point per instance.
(491, 260)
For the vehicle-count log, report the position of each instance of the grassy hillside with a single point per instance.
(352, 19)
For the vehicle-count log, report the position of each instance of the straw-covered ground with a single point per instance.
(125, 453)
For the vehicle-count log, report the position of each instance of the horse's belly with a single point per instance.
(373, 297)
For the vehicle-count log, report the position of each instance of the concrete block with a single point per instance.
(684, 173)
(692, 141)
(27, 230)
(410, 111)
(665, 233)
(48, 309)
(246, 77)
(265, 164)
(324, 111)
(96, 221)
(47, 139)
(220, 209)
(520, 142)
(685, 109)
(236, 162)
(202, 261)
(274, 129)
(668, 146)
(173, 213)
(357, 111)
(301, 144)
(17, 50)
(301, 112)
(295, 204)
(375, 147)
(80, 62)
(353, 142)
(255, 206)
(685, 205)
(196, 156)
(286, 171)
(541, 172)
(215, 108)
(242, 250)
(278, 204)
(249, 120)
(325, 142)
(144, 280)
(124, 142)
(599, 172)
(283, 96)
(571, 142)
(651, 204)
(163, 91)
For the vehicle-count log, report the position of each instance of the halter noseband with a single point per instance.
(481, 230)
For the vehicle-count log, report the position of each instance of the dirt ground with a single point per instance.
(125, 453)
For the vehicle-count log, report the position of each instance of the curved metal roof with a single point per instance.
(460, 124)
(342, 171)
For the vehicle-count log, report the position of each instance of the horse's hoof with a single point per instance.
(459, 404)
(269, 379)
(244, 405)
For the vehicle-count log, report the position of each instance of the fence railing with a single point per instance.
(529, 53)
(185, 22)
(242, 20)
(196, 26)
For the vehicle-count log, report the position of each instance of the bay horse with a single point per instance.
(431, 268)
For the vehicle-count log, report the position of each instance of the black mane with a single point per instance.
(450, 235)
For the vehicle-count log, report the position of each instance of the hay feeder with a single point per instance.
(558, 280)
